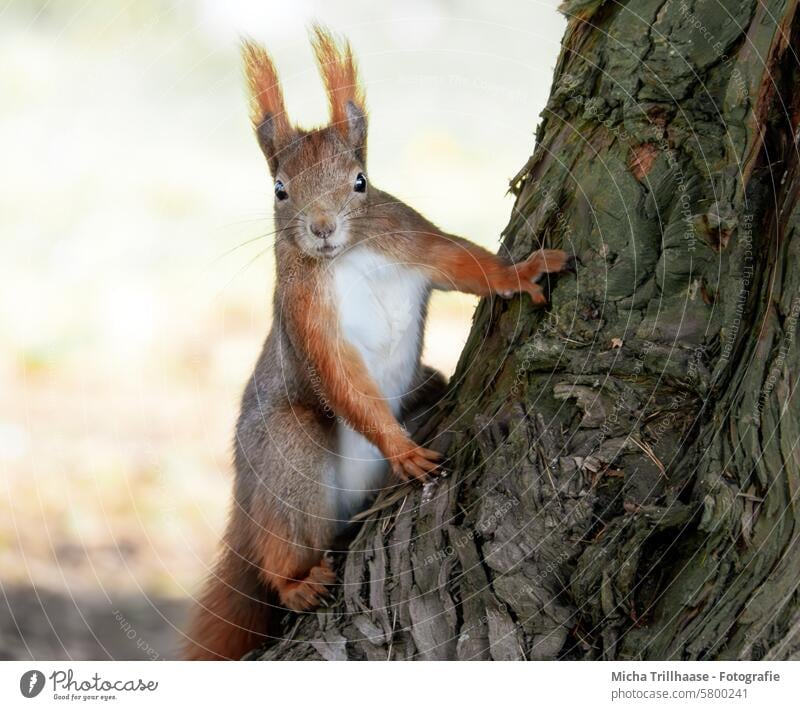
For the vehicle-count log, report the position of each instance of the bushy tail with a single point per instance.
(232, 614)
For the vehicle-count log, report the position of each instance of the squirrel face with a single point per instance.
(320, 177)
(321, 192)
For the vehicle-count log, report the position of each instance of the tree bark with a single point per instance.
(624, 464)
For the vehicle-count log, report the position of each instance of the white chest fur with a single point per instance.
(381, 306)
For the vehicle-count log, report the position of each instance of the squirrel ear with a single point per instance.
(357, 130)
(345, 95)
(267, 109)
(270, 146)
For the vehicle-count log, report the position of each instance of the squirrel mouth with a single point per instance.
(327, 249)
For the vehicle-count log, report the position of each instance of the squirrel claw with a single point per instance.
(417, 463)
(328, 597)
(309, 593)
(537, 295)
(544, 261)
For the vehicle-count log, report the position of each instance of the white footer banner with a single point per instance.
(141, 684)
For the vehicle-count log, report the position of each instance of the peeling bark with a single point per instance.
(624, 465)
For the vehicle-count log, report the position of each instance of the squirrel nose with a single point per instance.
(323, 228)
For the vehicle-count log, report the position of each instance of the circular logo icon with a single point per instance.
(31, 683)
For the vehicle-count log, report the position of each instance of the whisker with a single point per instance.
(339, 213)
(255, 239)
(246, 220)
(245, 243)
(379, 204)
(241, 271)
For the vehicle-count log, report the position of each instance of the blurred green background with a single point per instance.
(136, 288)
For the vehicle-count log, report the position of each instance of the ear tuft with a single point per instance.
(345, 94)
(267, 109)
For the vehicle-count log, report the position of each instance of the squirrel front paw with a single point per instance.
(544, 261)
(525, 274)
(411, 461)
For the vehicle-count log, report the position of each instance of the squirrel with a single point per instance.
(320, 429)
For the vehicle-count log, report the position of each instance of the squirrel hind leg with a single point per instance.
(294, 519)
(427, 388)
(297, 591)
(309, 592)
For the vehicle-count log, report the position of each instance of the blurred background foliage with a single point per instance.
(136, 264)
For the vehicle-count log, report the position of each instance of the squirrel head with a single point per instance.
(320, 174)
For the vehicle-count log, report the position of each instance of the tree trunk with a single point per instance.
(624, 464)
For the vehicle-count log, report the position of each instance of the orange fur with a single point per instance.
(457, 264)
(232, 615)
(234, 611)
(266, 95)
(339, 74)
(297, 591)
(348, 386)
(291, 569)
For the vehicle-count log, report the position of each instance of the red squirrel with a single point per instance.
(319, 429)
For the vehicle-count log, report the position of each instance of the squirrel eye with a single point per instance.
(280, 190)
(360, 183)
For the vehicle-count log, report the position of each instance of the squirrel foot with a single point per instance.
(308, 593)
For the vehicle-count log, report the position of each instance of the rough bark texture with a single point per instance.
(624, 464)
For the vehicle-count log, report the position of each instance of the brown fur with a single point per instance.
(311, 323)
(233, 613)
(308, 376)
